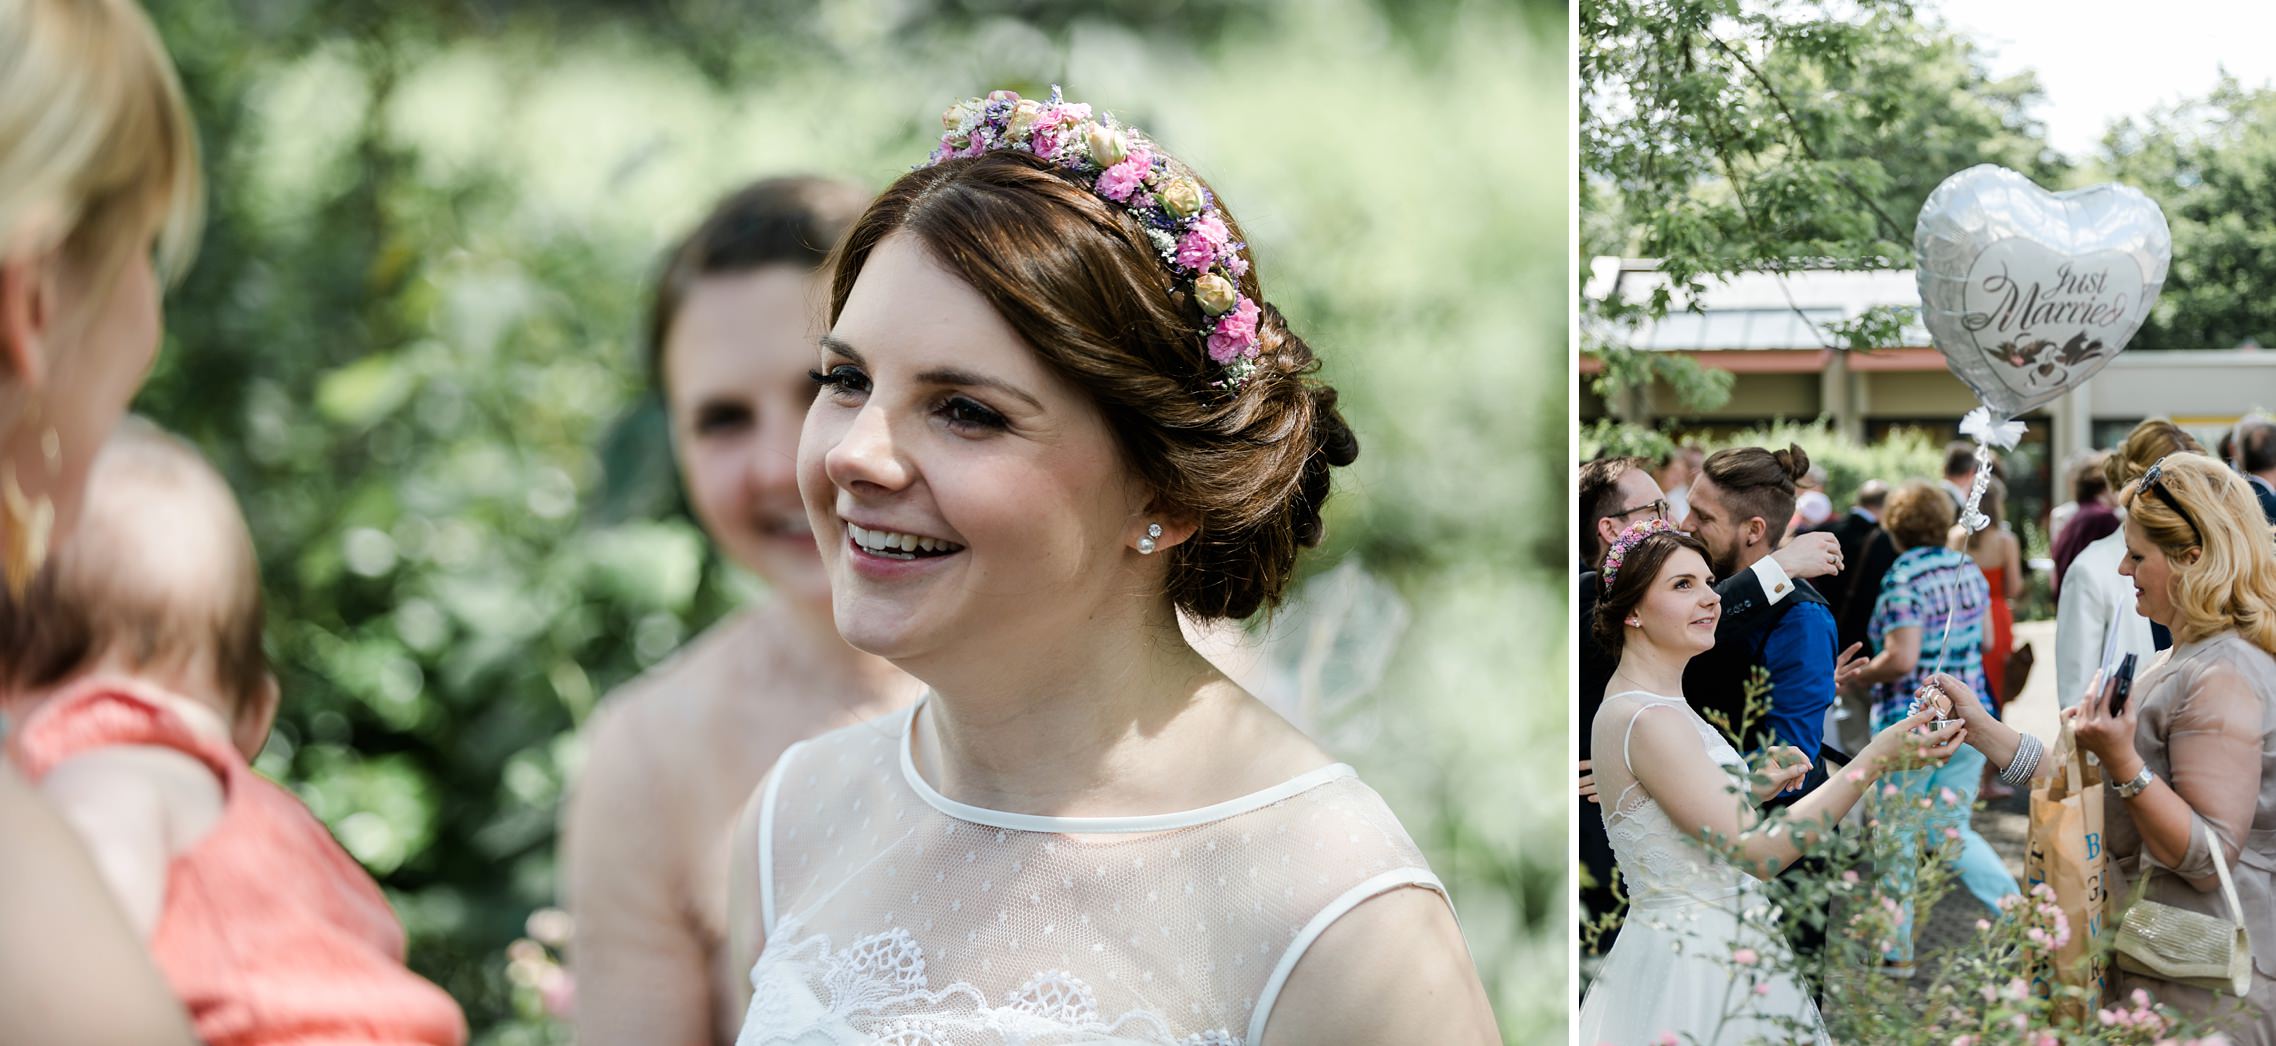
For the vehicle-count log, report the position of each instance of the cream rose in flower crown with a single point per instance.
(1124, 167)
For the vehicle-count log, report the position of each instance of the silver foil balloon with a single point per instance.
(2028, 293)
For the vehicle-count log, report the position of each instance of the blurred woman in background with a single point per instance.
(1930, 616)
(671, 756)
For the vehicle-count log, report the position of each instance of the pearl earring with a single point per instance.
(1146, 545)
(1633, 623)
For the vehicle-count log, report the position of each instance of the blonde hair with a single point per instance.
(2232, 585)
(2146, 445)
(97, 147)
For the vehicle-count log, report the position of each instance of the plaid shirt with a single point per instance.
(1921, 588)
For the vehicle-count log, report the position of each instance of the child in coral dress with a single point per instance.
(140, 692)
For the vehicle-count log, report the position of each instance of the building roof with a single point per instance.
(1754, 310)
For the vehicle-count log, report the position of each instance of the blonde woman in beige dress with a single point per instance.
(2195, 747)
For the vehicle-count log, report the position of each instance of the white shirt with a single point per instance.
(2093, 594)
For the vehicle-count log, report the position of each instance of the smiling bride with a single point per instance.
(1055, 413)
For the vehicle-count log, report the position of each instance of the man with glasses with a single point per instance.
(1615, 494)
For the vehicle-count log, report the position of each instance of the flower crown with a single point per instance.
(1628, 540)
(1125, 168)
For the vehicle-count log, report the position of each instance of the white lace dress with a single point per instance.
(1681, 964)
(894, 914)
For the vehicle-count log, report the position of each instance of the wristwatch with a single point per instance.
(2132, 788)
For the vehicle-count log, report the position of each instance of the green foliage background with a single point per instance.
(409, 341)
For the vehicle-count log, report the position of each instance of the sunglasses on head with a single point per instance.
(2153, 481)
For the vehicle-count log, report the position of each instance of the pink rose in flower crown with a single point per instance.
(1236, 333)
(1197, 249)
(1119, 181)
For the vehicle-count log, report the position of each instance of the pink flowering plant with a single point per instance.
(1124, 167)
(1994, 988)
(544, 995)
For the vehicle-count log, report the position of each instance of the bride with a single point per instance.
(1697, 955)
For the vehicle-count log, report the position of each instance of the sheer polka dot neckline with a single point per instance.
(1099, 825)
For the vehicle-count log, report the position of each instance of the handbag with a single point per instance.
(2017, 671)
(2186, 947)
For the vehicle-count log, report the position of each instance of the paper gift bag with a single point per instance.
(2066, 853)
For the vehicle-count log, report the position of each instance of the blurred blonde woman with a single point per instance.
(2194, 751)
(100, 197)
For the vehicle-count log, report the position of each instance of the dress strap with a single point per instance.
(1626, 735)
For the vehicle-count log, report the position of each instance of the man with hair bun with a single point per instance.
(1740, 504)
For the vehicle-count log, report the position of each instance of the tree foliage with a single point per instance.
(1720, 136)
(2210, 164)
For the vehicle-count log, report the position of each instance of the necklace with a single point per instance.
(1637, 683)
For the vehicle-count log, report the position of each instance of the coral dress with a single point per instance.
(270, 933)
(2002, 637)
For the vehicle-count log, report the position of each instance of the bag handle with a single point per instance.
(2070, 757)
(2221, 868)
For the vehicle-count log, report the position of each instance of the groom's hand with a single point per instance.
(1809, 555)
(1588, 783)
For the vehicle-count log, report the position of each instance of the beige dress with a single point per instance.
(2208, 727)
(671, 758)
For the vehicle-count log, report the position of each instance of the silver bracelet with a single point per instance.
(2025, 763)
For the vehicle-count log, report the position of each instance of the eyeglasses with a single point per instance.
(2151, 481)
(1658, 507)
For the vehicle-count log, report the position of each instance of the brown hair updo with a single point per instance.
(1078, 279)
(2147, 444)
(1637, 569)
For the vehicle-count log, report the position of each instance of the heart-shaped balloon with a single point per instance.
(2028, 293)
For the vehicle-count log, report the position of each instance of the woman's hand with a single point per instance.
(1783, 767)
(1962, 702)
(1849, 671)
(2110, 737)
(1911, 742)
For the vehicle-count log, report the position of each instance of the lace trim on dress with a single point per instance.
(885, 972)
